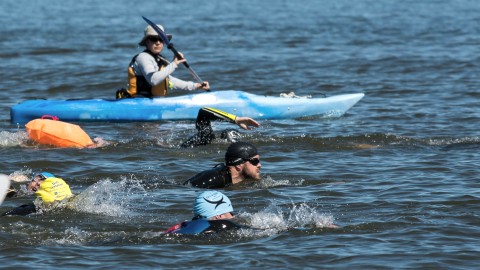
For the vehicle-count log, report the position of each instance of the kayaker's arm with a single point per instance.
(149, 69)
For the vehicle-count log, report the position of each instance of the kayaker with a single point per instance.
(242, 162)
(149, 73)
(205, 134)
(49, 192)
(212, 212)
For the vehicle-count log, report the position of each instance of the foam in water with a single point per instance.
(8, 139)
(274, 220)
(21, 176)
(109, 198)
(268, 182)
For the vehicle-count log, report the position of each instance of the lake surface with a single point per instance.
(398, 172)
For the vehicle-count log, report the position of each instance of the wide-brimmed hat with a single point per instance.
(149, 31)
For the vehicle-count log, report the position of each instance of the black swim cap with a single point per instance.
(238, 152)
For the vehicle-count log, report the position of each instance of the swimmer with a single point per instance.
(242, 162)
(49, 190)
(212, 213)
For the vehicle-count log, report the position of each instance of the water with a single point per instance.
(398, 172)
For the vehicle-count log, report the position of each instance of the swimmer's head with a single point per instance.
(35, 183)
(211, 203)
(239, 152)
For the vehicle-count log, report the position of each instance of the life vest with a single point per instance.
(57, 133)
(138, 84)
(53, 189)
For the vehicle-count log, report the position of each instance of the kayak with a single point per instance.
(182, 107)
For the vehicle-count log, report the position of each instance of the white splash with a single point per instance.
(107, 197)
(21, 176)
(268, 182)
(13, 138)
(274, 220)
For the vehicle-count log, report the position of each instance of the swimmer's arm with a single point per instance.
(242, 121)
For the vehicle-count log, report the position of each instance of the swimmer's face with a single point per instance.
(35, 183)
(251, 168)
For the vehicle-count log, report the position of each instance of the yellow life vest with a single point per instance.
(138, 85)
(53, 189)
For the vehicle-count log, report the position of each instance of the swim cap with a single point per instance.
(46, 174)
(54, 189)
(231, 135)
(211, 203)
(238, 152)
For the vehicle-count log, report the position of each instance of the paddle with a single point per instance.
(167, 42)
(4, 186)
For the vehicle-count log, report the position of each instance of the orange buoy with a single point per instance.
(57, 133)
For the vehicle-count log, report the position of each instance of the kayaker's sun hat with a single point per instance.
(149, 31)
(211, 203)
(239, 152)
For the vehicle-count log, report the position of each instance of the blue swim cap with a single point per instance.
(211, 203)
(46, 174)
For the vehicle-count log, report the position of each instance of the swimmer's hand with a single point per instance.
(246, 123)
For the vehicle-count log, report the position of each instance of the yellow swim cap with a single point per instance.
(53, 189)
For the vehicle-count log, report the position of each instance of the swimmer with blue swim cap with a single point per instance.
(212, 211)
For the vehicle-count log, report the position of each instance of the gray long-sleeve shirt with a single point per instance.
(146, 66)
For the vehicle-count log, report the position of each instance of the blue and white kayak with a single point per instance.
(183, 107)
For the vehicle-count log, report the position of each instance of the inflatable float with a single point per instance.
(57, 133)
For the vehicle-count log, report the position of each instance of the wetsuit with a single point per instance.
(202, 226)
(217, 177)
(203, 125)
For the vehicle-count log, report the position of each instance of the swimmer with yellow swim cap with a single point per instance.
(48, 190)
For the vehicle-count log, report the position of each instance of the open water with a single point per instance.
(399, 172)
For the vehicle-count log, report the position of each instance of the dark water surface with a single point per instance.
(399, 172)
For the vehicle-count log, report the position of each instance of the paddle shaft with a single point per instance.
(194, 74)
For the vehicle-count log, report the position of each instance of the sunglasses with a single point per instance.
(253, 161)
(155, 39)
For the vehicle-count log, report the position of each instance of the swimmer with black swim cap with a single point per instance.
(242, 162)
(205, 134)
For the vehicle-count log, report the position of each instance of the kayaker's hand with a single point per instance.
(246, 122)
(179, 61)
(205, 86)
